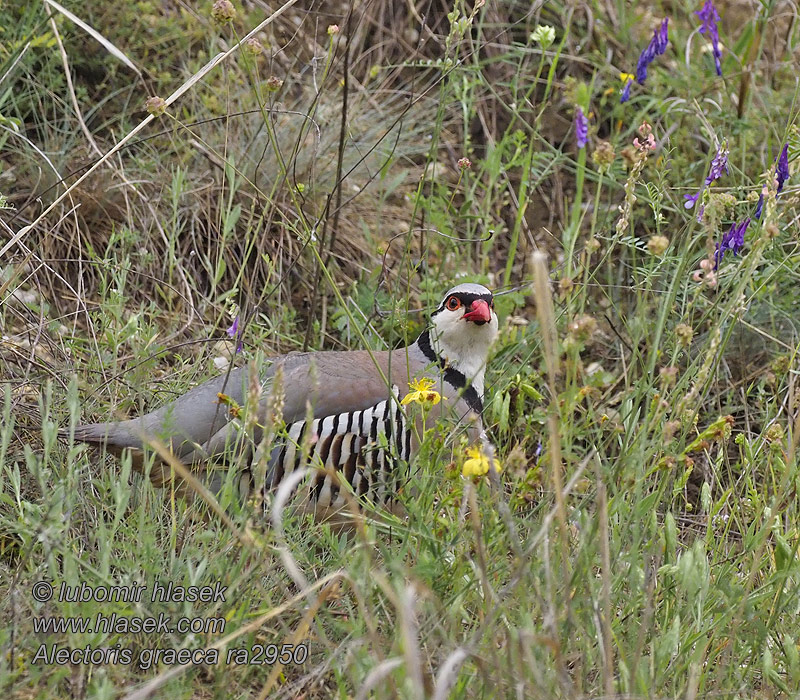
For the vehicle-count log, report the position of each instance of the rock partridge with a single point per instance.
(360, 430)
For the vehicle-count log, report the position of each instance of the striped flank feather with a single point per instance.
(363, 447)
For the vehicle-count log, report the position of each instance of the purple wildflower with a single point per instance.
(732, 241)
(233, 332)
(691, 199)
(709, 17)
(581, 128)
(656, 47)
(626, 91)
(234, 329)
(719, 166)
(662, 38)
(781, 175)
(782, 171)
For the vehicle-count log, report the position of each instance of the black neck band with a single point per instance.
(452, 376)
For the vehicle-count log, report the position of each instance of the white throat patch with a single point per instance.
(463, 344)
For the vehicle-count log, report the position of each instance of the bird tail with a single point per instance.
(115, 436)
(167, 470)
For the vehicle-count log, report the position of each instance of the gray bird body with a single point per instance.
(353, 396)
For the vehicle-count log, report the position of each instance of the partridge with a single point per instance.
(359, 430)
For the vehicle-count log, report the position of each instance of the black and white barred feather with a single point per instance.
(365, 448)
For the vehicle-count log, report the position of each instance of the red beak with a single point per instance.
(479, 312)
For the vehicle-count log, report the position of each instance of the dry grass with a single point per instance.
(644, 541)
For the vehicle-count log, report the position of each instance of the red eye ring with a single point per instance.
(453, 304)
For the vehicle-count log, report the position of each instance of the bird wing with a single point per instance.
(332, 382)
(198, 427)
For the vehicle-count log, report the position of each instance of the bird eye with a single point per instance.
(453, 303)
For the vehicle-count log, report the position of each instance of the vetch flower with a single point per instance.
(649, 142)
(781, 176)
(692, 198)
(706, 273)
(422, 392)
(760, 205)
(626, 78)
(233, 332)
(709, 17)
(656, 47)
(732, 241)
(581, 128)
(719, 166)
(478, 463)
(782, 171)
(661, 38)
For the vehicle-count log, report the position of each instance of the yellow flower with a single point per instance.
(625, 77)
(422, 392)
(234, 408)
(478, 463)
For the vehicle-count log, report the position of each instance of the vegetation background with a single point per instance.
(644, 541)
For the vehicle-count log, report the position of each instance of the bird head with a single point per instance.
(463, 328)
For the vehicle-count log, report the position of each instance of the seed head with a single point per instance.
(223, 11)
(603, 155)
(670, 428)
(582, 328)
(668, 375)
(254, 46)
(544, 35)
(155, 106)
(684, 333)
(774, 433)
(657, 245)
(274, 84)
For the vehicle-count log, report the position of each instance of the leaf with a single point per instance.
(784, 553)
